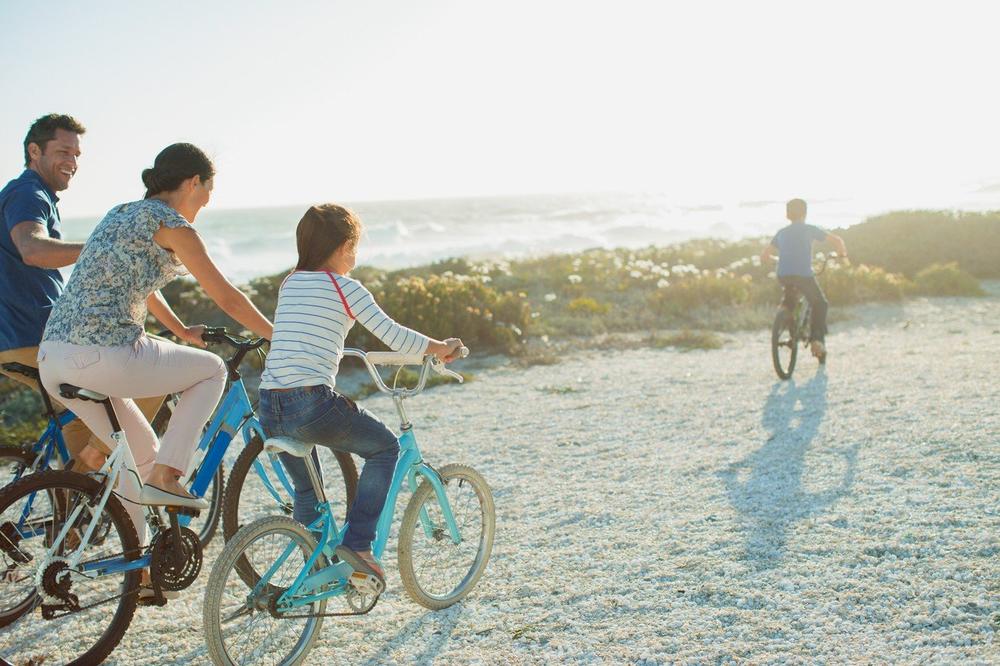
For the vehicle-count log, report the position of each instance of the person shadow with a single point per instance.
(765, 488)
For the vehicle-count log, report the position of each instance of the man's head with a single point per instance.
(52, 147)
(795, 210)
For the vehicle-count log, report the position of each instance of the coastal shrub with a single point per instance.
(448, 304)
(587, 305)
(21, 418)
(701, 292)
(909, 241)
(946, 280)
(858, 284)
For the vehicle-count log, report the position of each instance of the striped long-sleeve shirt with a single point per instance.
(311, 323)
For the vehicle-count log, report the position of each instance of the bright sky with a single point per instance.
(335, 100)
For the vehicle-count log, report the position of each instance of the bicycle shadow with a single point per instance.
(446, 621)
(771, 499)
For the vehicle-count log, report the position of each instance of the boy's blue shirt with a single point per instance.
(794, 244)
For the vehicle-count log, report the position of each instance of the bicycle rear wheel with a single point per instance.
(436, 572)
(42, 593)
(239, 625)
(249, 498)
(784, 344)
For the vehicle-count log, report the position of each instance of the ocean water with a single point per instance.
(254, 242)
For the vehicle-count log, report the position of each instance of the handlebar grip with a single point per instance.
(463, 351)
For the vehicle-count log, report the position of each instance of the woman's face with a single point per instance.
(202, 191)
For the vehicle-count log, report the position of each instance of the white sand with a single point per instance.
(657, 507)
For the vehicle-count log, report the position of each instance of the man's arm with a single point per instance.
(37, 249)
(838, 244)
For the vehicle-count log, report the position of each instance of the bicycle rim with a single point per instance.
(40, 506)
(239, 628)
(436, 572)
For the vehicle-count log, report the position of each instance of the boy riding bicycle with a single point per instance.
(795, 273)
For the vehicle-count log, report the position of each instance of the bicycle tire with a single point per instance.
(55, 483)
(243, 467)
(425, 496)
(229, 561)
(783, 323)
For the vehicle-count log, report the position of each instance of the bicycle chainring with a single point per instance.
(168, 569)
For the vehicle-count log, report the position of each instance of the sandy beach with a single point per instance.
(657, 506)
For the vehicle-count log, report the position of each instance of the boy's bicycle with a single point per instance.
(792, 327)
(268, 591)
(68, 547)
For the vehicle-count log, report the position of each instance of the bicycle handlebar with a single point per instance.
(220, 334)
(427, 363)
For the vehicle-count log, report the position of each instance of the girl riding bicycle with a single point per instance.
(317, 306)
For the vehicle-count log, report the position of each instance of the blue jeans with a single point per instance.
(319, 415)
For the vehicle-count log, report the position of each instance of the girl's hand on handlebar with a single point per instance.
(192, 335)
(452, 345)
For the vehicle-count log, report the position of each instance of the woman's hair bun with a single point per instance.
(150, 180)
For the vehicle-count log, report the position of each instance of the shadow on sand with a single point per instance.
(765, 488)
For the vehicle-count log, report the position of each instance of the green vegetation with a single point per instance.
(518, 307)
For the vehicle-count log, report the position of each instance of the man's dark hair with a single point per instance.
(795, 209)
(44, 129)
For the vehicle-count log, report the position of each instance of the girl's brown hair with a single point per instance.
(321, 231)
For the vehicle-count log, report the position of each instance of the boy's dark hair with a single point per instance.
(44, 129)
(795, 210)
(321, 231)
(175, 164)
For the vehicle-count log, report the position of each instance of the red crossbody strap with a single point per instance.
(340, 291)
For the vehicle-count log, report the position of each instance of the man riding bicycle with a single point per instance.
(32, 251)
(795, 273)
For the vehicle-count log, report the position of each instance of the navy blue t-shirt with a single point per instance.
(26, 292)
(794, 244)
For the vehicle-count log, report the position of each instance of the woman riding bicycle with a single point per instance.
(95, 336)
(317, 305)
(795, 272)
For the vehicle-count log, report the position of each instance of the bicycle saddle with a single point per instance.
(76, 393)
(288, 445)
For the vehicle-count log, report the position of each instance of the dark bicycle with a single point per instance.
(792, 327)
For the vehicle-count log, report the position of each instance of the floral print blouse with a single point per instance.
(104, 302)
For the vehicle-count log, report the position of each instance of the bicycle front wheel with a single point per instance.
(436, 572)
(242, 625)
(42, 591)
(784, 344)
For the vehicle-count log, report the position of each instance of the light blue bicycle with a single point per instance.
(268, 591)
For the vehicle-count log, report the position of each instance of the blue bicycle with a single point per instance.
(268, 591)
(69, 549)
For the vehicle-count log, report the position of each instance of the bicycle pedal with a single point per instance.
(366, 583)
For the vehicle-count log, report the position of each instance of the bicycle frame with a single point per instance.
(235, 415)
(308, 588)
(50, 443)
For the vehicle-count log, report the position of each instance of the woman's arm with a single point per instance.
(159, 308)
(189, 248)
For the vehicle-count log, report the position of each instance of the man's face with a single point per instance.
(56, 161)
